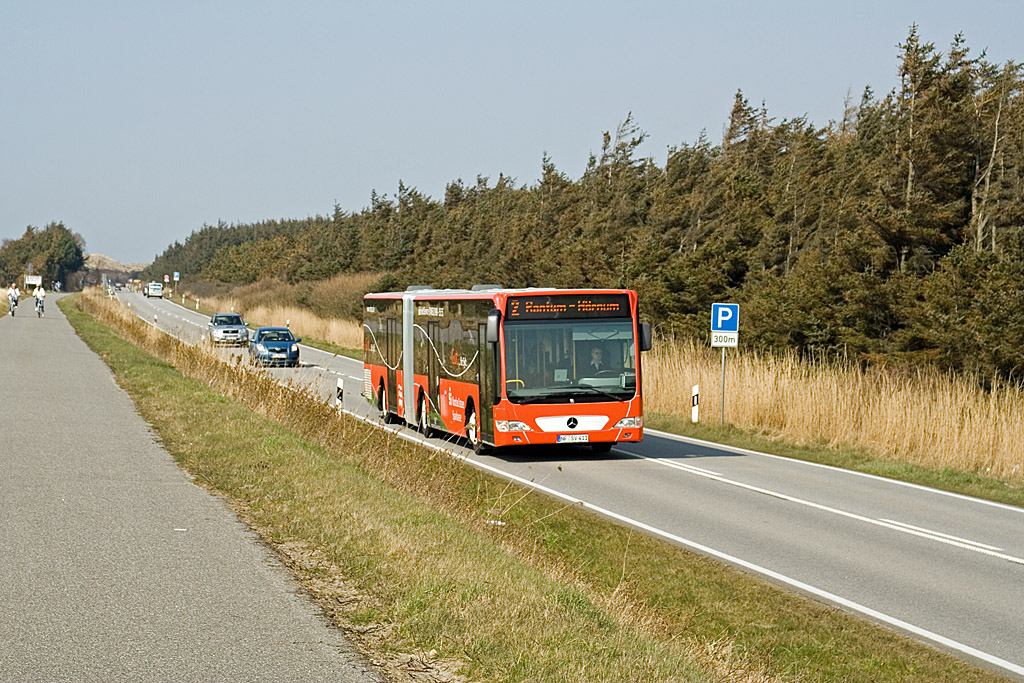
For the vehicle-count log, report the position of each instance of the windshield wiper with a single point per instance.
(539, 398)
(572, 392)
(611, 396)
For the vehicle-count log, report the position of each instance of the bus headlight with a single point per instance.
(629, 422)
(511, 426)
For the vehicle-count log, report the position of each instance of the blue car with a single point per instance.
(274, 346)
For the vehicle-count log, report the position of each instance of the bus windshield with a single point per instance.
(554, 361)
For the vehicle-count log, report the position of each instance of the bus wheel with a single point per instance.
(424, 427)
(382, 406)
(473, 432)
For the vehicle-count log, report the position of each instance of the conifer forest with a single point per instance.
(893, 235)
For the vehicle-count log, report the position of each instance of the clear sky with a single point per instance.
(136, 123)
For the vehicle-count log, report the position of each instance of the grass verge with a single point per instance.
(400, 546)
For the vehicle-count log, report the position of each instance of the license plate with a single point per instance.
(573, 438)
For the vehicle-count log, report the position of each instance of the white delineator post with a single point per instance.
(695, 410)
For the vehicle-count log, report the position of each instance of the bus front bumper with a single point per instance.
(568, 429)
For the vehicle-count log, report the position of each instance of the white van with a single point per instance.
(153, 289)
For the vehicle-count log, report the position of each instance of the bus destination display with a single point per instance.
(555, 306)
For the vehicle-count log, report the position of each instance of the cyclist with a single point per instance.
(40, 294)
(12, 297)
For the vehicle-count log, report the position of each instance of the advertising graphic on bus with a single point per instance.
(508, 367)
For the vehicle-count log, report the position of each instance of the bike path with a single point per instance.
(113, 564)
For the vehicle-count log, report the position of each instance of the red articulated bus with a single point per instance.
(508, 367)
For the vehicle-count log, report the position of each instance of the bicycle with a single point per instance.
(39, 308)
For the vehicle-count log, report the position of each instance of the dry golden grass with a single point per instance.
(925, 417)
(304, 323)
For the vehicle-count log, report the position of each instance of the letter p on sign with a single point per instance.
(725, 317)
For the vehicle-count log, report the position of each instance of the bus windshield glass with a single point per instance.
(554, 361)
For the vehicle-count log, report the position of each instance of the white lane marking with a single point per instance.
(942, 535)
(833, 468)
(922, 633)
(903, 528)
(677, 465)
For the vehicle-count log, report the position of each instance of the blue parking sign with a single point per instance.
(725, 317)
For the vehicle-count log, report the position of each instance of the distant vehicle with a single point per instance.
(153, 289)
(228, 328)
(274, 346)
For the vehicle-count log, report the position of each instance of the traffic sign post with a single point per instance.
(725, 333)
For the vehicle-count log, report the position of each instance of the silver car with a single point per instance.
(228, 328)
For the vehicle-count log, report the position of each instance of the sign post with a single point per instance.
(725, 333)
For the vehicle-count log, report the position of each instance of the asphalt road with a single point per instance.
(114, 565)
(945, 569)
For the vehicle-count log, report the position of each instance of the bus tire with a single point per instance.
(382, 405)
(473, 431)
(423, 412)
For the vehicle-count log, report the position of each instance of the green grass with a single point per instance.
(946, 479)
(393, 540)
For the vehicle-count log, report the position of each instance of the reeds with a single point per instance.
(305, 323)
(922, 417)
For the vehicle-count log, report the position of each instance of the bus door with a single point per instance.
(394, 349)
(486, 383)
(433, 382)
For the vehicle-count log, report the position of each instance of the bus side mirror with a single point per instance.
(645, 337)
(493, 324)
